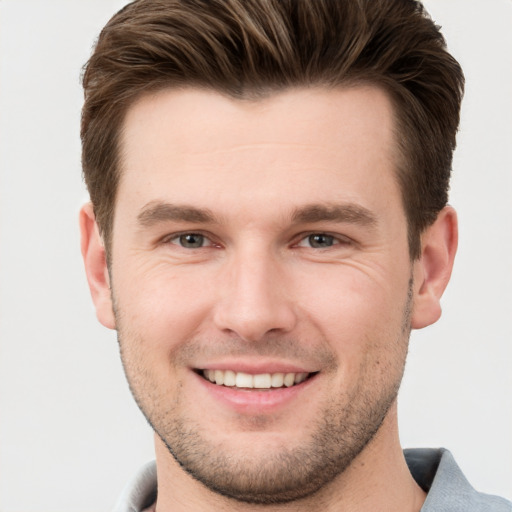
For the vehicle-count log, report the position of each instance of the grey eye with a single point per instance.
(191, 241)
(320, 240)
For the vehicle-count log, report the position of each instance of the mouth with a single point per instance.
(261, 381)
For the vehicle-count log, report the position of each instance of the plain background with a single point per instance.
(70, 434)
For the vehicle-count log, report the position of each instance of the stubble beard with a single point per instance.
(342, 431)
(276, 478)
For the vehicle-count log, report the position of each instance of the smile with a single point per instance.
(243, 380)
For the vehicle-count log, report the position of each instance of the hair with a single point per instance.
(248, 49)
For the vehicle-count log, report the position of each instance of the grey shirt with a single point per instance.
(435, 470)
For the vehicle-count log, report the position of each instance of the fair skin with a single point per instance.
(265, 238)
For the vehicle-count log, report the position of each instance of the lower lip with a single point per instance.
(255, 401)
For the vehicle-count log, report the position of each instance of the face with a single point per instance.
(262, 282)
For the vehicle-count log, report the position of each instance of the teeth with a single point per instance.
(244, 380)
(289, 379)
(300, 377)
(259, 381)
(219, 377)
(229, 378)
(262, 381)
(277, 380)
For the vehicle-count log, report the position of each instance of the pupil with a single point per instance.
(191, 240)
(321, 240)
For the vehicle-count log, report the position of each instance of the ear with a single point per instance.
(95, 261)
(433, 269)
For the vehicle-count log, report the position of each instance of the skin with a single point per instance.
(256, 183)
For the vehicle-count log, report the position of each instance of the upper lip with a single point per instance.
(257, 367)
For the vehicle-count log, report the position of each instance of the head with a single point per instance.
(253, 49)
(268, 180)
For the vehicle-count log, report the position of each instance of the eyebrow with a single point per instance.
(158, 211)
(349, 213)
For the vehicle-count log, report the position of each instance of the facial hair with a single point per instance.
(347, 421)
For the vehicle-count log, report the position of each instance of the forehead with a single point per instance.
(285, 116)
(184, 143)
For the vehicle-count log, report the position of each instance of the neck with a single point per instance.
(377, 479)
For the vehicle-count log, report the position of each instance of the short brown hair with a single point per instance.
(251, 48)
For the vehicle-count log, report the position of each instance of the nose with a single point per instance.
(254, 298)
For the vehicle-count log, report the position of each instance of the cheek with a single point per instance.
(161, 305)
(348, 296)
(360, 315)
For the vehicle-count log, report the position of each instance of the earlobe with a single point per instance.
(433, 269)
(95, 261)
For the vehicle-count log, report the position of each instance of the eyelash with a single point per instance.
(334, 240)
(176, 238)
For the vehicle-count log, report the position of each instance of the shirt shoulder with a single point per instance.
(435, 470)
(140, 492)
(448, 490)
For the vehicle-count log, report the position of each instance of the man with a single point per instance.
(268, 222)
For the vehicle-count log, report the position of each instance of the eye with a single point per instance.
(190, 240)
(321, 241)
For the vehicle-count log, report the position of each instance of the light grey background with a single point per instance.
(70, 435)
